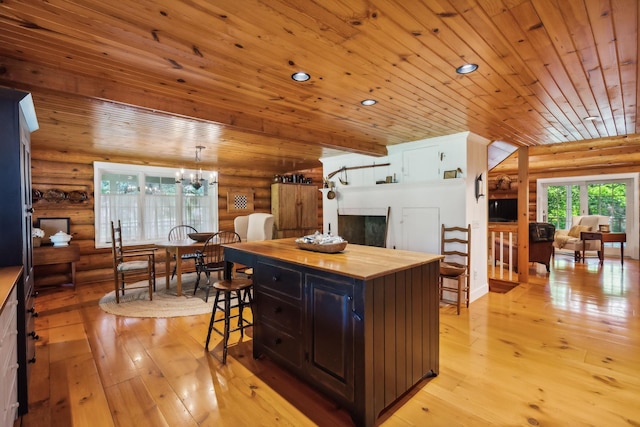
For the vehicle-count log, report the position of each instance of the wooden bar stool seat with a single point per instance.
(233, 297)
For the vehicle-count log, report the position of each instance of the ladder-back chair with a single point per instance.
(455, 245)
(131, 264)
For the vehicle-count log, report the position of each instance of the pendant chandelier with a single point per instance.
(196, 179)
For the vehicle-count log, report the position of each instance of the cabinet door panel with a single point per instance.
(308, 215)
(284, 205)
(331, 323)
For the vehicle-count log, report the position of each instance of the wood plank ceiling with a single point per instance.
(154, 79)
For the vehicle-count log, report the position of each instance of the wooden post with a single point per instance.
(523, 214)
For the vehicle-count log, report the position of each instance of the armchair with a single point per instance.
(570, 239)
(254, 227)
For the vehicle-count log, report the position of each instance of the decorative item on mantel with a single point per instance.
(37, 234)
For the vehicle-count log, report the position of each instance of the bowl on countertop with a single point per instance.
(331, 248)
(200, 237)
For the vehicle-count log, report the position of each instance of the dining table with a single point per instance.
(178, 248)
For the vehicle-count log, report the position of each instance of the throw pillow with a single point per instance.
(577, 229)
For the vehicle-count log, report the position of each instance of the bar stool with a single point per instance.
(232, 290)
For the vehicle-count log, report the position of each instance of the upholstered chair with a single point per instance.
(254, 227)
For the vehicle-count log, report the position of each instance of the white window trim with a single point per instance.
(633, 210)
(140, 171)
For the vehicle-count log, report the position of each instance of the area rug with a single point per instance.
(165, 303)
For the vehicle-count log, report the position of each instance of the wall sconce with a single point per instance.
(479, 187)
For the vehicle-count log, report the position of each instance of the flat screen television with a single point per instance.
(503, 210)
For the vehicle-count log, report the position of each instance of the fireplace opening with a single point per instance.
(369, 230)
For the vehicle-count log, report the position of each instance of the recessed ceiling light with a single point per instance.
(300, 76)
(368, 102)
(591, 118)
(466, 68)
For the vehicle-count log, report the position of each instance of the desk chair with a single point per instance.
(131, 263)
(455, 245)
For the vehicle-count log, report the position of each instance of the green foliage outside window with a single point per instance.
(607, 199)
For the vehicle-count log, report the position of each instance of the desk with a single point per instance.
(48, 255)
(178, 248)
(605, 238)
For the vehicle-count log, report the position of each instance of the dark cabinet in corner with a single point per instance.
(361, 325)
(18, 119)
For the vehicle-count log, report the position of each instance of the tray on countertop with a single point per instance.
(330, 248)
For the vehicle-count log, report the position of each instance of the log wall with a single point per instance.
(602, 157)
(74, 173)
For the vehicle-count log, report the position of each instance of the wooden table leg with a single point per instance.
(167, 267)
(601, 253)
(178, 273)
(621, 253)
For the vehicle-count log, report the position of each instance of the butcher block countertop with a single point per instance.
(8, 278)
(357, 261)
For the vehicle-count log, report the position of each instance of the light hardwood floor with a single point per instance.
(563, 349)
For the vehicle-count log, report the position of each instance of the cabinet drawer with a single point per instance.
(279, 313)
(280, 345)
(9, 394)
(8, 318)
(8, 351)
(278, 279)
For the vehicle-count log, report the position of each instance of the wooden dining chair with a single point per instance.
(131, 264)
(210, 259)
(181, 232)
(455, 245)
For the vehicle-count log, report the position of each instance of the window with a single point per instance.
(608, 198)
(148, 202)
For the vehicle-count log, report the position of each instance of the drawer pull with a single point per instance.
(277, 310)
(33, 311)
(33, 335)
(32, 360)
(278, 341)
(275, 278)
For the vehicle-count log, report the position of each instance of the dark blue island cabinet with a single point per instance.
(17, 121)
(361, 326)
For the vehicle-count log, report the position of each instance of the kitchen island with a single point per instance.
(360, 325)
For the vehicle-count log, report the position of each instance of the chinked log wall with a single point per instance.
(68, 173)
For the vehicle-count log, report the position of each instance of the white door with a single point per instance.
(421, 229)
